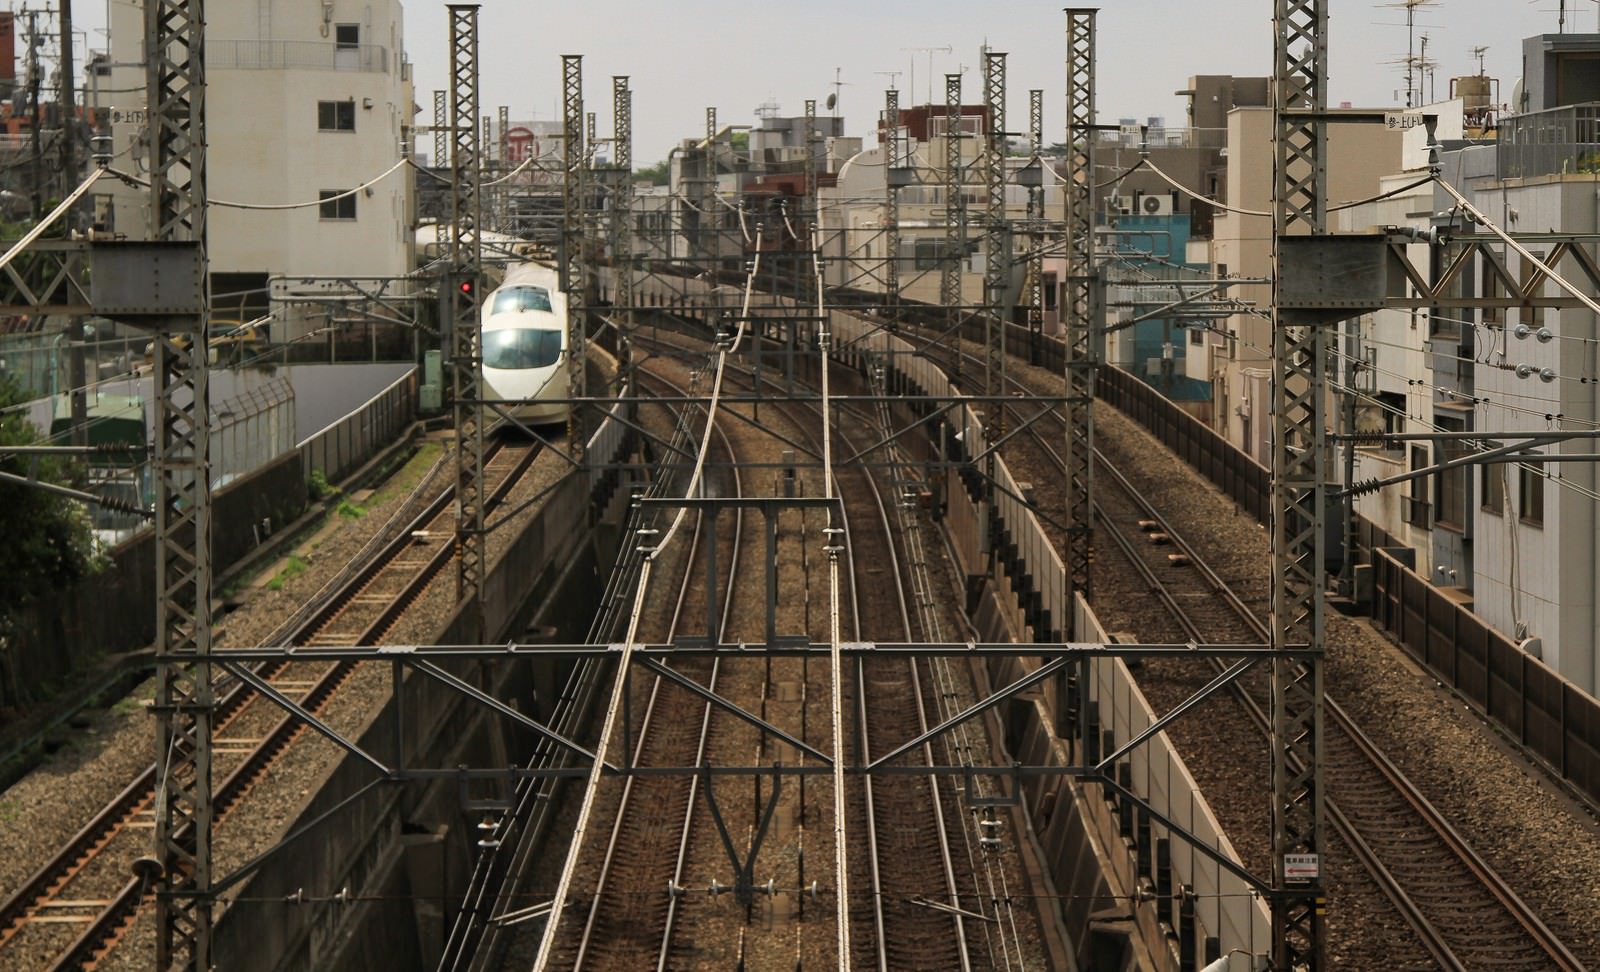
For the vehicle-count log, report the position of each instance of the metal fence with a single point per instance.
(1235, 473)
(250, 430)
(252, 55)
(1554, 719)
(1561, 140)
(338, 449)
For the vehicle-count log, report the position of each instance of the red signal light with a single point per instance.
(467, 287)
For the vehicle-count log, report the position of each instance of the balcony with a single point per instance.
(249, 55)
(1563, 140)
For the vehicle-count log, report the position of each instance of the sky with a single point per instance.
(683, 56)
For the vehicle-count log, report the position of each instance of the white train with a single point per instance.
(524, 336)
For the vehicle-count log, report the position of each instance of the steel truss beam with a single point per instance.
(1299, 489)
(1081, 301)
(657, 659)
(175, 78)
(466, 365)
(573, 281)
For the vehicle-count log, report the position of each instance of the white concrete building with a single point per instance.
(306, 100)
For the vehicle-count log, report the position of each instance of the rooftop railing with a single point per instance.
(1558, 141)
(252, 55)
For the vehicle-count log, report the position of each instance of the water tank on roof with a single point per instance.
(1474, 91)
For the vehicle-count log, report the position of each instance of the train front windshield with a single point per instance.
(517, 299)
(514, 349)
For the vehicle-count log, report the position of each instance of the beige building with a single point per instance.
(305, 102)
(1239, 358)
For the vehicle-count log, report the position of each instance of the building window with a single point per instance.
(346, 37)
(336, 116)
(1197, 334)
(1530, 495)
(1417, 503)
(1452, 482)
(1492, 487)
(337, 205)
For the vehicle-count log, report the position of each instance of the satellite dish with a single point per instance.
(833, 99)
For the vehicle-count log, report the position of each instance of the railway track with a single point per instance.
(1462, 913)
(78, 889)
(631, 916)
(912, 904)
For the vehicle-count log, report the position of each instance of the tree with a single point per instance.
(48, 541)
(656, 175)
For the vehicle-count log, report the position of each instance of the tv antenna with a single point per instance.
(833, 99)
(1413, 61)
(1561, 15)
(1478, 53)
(930, 51)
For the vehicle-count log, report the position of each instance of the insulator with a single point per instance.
(1362, 487)
(717, 887)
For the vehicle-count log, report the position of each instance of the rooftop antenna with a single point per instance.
(930, 51)
(833, 99)
(1478, 53)
(1413, 94)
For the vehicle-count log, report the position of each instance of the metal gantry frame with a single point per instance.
(1299, 488)
(573, 191)
(175, 78)
(466, 244)
(1080, 303)
(997, 237)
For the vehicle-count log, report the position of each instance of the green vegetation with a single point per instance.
(49, 542)
(409, 475)
(293, 568)
(656, 175)
(321, 489)
(350, 511)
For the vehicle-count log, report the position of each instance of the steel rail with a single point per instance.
(104, 929)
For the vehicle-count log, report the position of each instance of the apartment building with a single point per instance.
(307, 103)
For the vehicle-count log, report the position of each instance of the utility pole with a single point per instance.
(37, 180)
(77, 372)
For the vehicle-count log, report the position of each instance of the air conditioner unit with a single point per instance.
(1156, 205)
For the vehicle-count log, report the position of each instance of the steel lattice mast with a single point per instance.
(1299, 361)
(572, 238)
(1081, 301)
(954, 218)
(997, 255)
(441, 128)
(1035, 272)
(175, 78)
(466, 219)
(622, 219)
(891, 200)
